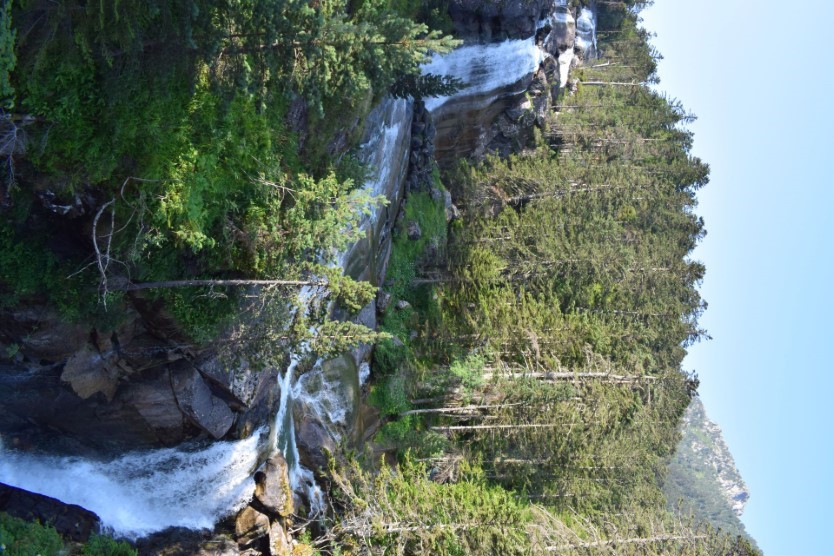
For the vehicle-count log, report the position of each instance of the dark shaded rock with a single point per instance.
(154, 400)
(179, 541)
(413, 230)
(493, 21)
(68, 519)
(383, 301)
(40, 333)
(273, 492)
(314, 443)
(251, 526)
(197, 402)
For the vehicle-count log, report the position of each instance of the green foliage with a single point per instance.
(175, 112)
(469, 371)
(407, 254)
(23, 538)
(389, 396)
(28, 270)
(404, 512)
(425, 85)
(26, 538)
(100, 545)
(7, 55)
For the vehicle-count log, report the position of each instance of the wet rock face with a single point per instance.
(68, 519)
(314, 444)
(488, 20)
(385, 146)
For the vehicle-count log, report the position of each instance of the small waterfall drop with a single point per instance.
(192, 485)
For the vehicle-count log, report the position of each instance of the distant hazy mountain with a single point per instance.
(703, 479)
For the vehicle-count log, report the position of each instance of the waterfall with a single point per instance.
(586, 32)
(192, 485)
(486, 69)
(197, 483)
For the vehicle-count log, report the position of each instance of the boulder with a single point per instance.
(452, 211)
(197, 402)
(88, 373)
(402, 305)
(383, 301)
(250, 526)
(68, 519)
(314, 443)
(413, 231)
(273, 492)
(279, 543)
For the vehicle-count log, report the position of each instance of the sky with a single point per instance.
(759, 77)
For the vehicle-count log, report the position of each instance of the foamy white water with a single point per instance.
(485, 68)
(586, 32)
(139, 493)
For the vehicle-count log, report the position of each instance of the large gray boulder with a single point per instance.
(198, 403)
(273, 492)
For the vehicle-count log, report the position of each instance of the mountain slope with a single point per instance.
(703, 479)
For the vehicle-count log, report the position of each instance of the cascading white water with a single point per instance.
(488, 69)
(586, 32)
(485, 68)
(192, 485)
(195, 484)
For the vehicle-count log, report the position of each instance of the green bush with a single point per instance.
(23, 538)
(99, 545)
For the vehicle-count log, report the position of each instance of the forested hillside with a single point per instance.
(186, 140)
(536, 377)
(702, 478)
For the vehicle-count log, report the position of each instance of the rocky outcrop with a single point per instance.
(133, 387)
(702, 478)
(198, 403)
(705, 442)
(273, 492)
(486, 21)
(69, 520)
(510, 85)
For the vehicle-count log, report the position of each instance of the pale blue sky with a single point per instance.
(759, 76)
